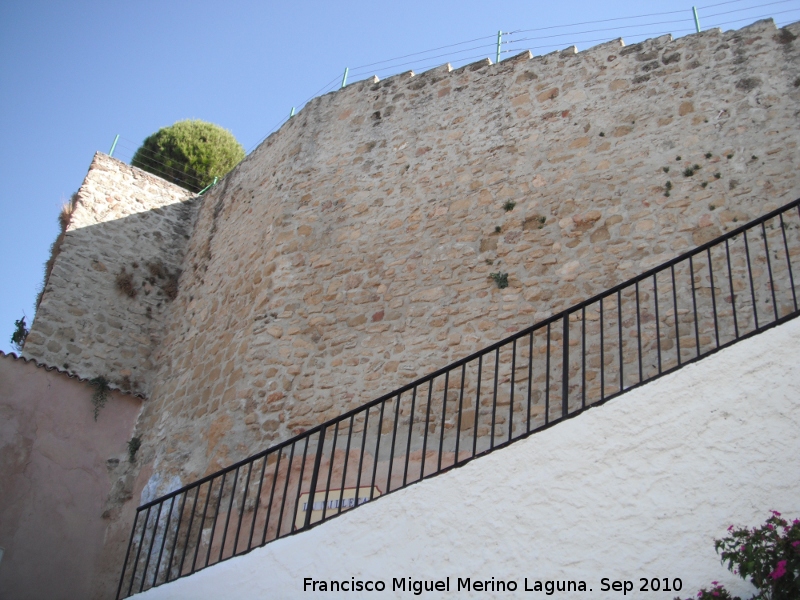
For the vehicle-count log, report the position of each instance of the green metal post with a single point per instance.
(499, 41)
(114, 145)
(344, 79)
(696, 19)
(210, 185)
(291, 114)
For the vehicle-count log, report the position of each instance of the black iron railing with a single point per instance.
(728, 289)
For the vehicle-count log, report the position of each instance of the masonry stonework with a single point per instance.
(353, 250)
(116, 271)
(641, 488)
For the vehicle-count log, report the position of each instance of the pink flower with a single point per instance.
(780, 571)
(776, 513)
(730, 528)
(795, 544)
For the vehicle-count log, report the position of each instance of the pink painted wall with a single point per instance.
(57, 466)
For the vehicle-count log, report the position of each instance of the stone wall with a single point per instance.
(353, 250)
(103, 307)
(638, 488)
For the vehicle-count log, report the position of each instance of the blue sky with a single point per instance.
(74, 74)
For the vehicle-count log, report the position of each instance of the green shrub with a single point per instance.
(55, 248)
(769, 556)
(189, 153)
(19, 335)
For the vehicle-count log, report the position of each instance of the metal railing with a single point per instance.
(685, 309)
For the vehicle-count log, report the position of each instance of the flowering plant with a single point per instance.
(718, 592)
(768, 555)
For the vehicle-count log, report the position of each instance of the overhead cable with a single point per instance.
(728, 12)
(571, 33)
(425, 51)
(153, 156)
(172, 172)
(432, 57)
(719, 4)
(511, 45)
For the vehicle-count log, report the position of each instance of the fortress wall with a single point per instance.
(125, 221)
(640, 488)
(352, 251)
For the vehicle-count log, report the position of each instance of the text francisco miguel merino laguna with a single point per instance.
(466, 584)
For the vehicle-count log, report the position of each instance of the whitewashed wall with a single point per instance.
(637, 488)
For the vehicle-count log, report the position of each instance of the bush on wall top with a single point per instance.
(189, 153)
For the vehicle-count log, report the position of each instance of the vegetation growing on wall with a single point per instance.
(189, 153)
(169, 279)
(133, 447)
(159, 275)
(124, 283)
(501, 279)
(100, 396)
(19, 335)
(55, 248)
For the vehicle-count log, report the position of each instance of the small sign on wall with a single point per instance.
(345, 498)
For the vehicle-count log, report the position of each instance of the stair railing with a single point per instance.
(676, 313)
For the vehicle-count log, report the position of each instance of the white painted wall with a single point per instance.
(637, 488)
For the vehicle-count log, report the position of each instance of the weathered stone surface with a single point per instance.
(352, 251)
(125, 220)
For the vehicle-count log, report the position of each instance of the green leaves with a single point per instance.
(718, 592)
(768, 555)
(501, 279)
(19, 335)
(189, 153)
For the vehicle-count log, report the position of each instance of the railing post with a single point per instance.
(139, 552)
(131, 565)
(314, 477)
(208, 187)
(344, 77)
(291, 114)
(127, 554)
(114, 145)
(499, 42)
(152, 543)
(696, 19)
(565, 370)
